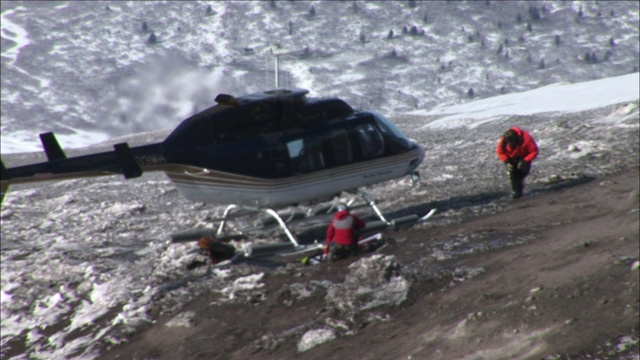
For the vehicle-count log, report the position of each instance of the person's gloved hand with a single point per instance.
(325, 250)
(509, 166)
(522, 165)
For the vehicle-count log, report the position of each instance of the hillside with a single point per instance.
(87, 71)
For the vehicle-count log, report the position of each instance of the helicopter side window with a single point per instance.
(371, 141)
(305, 155)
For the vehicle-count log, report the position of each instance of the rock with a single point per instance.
(371, 282)
(313, 338)
(635, 265)
(184, 319)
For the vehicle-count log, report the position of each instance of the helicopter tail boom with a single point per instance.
(121, 160)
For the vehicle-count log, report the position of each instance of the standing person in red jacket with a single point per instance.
(517, 149)
(341, 240)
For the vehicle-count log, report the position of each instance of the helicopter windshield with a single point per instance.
(390, 130)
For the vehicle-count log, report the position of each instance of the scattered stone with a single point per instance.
(184, 319)
(313, 338)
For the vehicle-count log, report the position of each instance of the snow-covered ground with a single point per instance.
(84, 263)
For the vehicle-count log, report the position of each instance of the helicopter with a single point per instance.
(255, 153)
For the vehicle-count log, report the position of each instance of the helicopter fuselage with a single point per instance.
(269, 149)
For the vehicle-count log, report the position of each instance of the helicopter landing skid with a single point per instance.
(292, 247)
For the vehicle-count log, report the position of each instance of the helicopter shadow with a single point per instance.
(455, 204)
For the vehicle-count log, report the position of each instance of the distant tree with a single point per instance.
(390, 34)
(580, 12)
(534, 13)
(306, 52)
(503, 90)
(587, 57)
(612, 42)
(470, 38)
(612, 13)
(152, 39)
(519, 19)
(482, 44)
(209, 10)
(607, 55)
(354, 7)
(530, 59)
(290, 27)
(363, 38)
(521, 39)
(529, 27)
(594, 58)
(145, 27)
(107, 8)
(425, 19)
(414, 30)
(499, 25)
(500, 48)
(412, 3)
(507, 56)
(312, 11)
(541, 64)
(487, 2)
(272, 4)
(393, 54)
(599, 13)
(405, 30)
(506, 41)
(470, 92)
(556, 41)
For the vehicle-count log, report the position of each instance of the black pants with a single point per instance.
(338, 251)
(517, 174)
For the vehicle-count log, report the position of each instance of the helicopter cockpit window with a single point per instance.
(391, 130)
(371, 141)
(305, 155)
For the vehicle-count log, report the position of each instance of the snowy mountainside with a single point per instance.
(86, 263)
(87, 71)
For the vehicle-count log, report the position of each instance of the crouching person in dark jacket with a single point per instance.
(216, 250)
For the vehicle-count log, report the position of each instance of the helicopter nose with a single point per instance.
(413, 164)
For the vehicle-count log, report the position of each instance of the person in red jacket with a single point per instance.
(341, 240)
(517, 149)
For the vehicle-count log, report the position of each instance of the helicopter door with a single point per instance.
(371, 141)
(336, 148)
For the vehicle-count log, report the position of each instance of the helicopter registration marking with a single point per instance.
(376, 174)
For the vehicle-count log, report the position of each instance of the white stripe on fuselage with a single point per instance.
(226, 188)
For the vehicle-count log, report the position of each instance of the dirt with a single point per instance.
(567, 290)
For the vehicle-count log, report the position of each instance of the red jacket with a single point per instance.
(341, 228)
(527, 150)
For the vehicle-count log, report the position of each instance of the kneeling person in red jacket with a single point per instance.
(341, 240)
(517, 149)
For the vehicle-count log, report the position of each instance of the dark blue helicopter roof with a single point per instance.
(234, 118)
